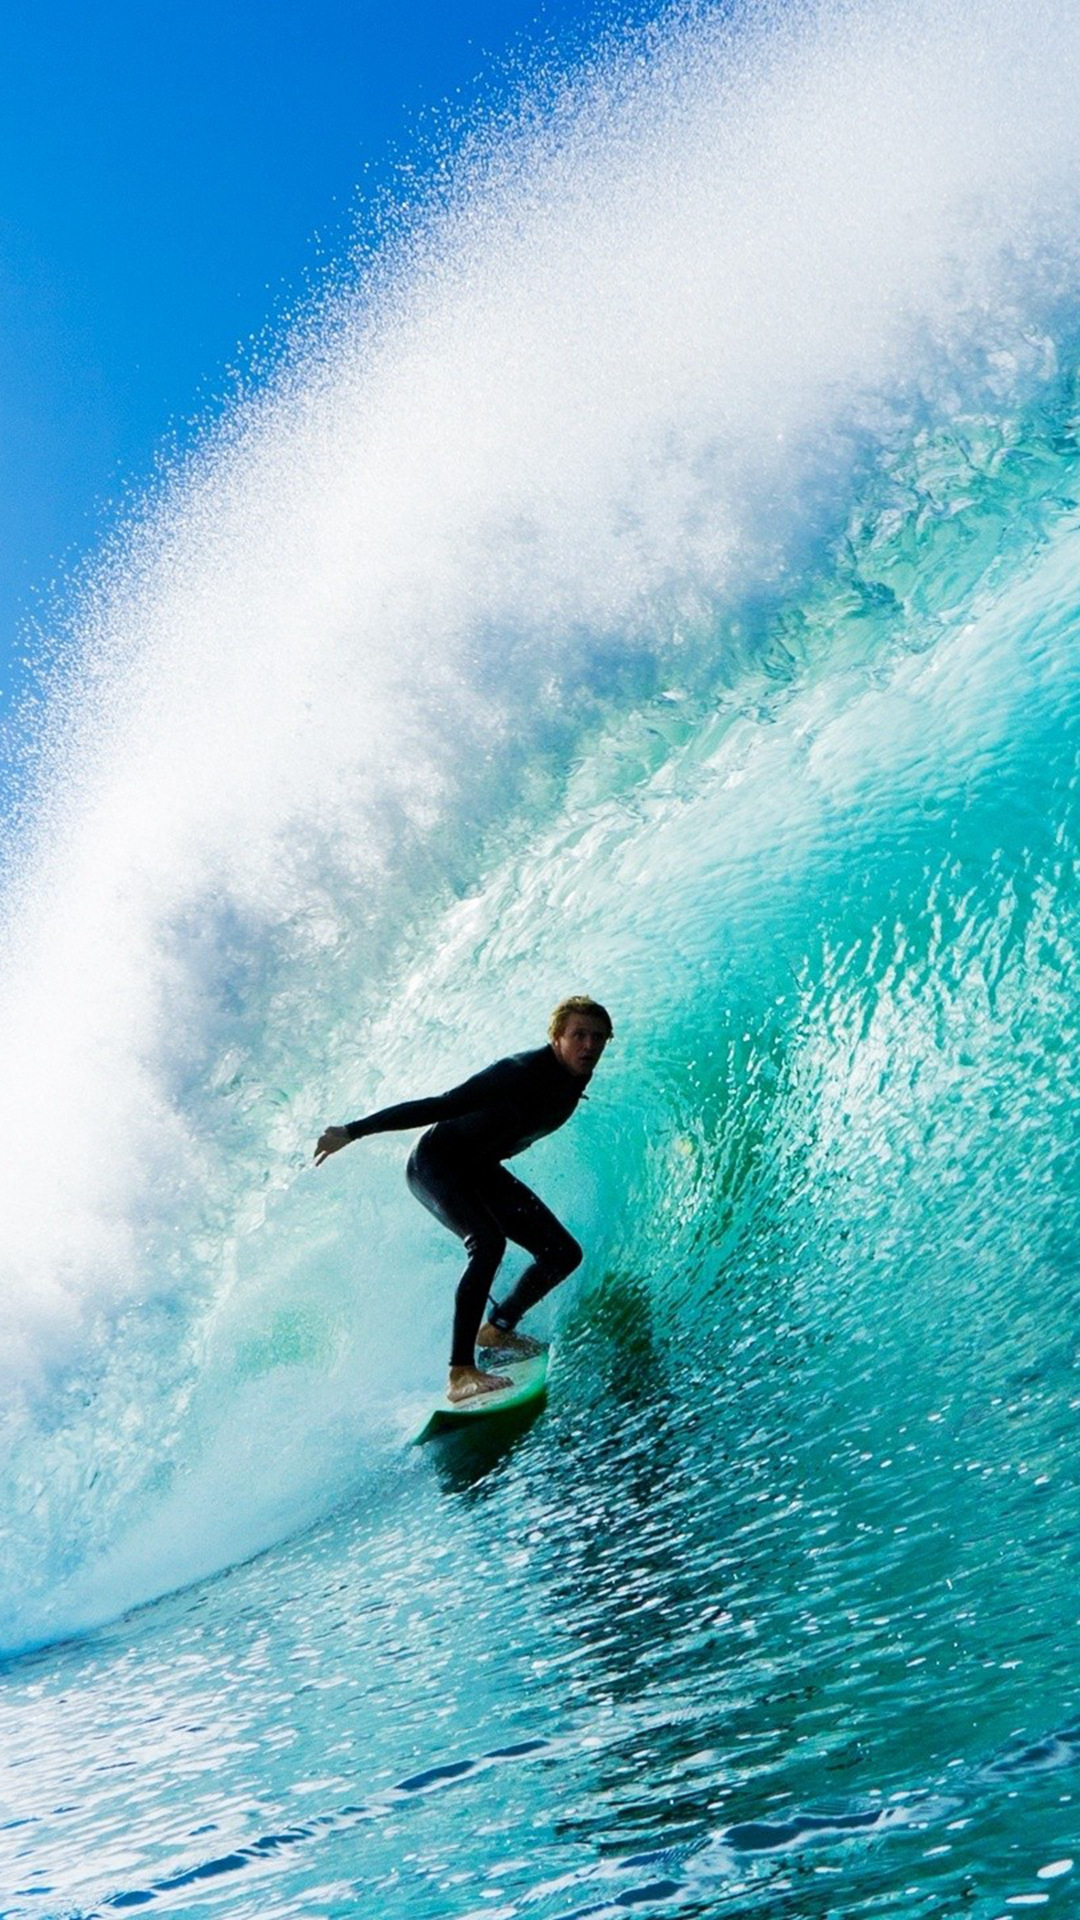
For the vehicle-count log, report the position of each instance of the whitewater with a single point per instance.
(650, 568)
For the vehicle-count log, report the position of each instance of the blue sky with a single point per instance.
(173, 173)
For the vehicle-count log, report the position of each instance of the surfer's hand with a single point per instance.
(330, 1142)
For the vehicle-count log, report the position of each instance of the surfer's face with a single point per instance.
(581, 1043)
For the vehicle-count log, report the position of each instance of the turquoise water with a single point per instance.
(660, 578)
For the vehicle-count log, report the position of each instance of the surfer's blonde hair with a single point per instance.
(577, 1003)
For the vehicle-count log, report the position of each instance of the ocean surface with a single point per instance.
(651, 568)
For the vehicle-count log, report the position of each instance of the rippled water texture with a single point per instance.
(660, 577)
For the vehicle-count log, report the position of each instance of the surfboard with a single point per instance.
(528, 1382)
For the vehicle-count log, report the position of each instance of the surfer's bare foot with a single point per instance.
(467, 1383)
(521, 1345)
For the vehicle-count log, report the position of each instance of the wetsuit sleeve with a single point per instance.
(483, 1090)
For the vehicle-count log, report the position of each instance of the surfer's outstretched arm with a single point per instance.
(470, 1097)
(410, 1113)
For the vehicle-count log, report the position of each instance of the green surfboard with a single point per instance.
(528, 1382)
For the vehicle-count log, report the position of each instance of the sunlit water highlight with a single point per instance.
(661, 578)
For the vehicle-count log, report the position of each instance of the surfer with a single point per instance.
(456, 1171)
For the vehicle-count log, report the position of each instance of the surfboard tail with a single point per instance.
(528, 1382)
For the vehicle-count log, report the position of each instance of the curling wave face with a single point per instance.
(657, 575)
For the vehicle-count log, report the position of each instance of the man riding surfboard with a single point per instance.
(456, 1170)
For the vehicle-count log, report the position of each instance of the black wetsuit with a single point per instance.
(456, 1171)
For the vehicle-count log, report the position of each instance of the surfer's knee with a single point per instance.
(485, 1249)
(569, 1256)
